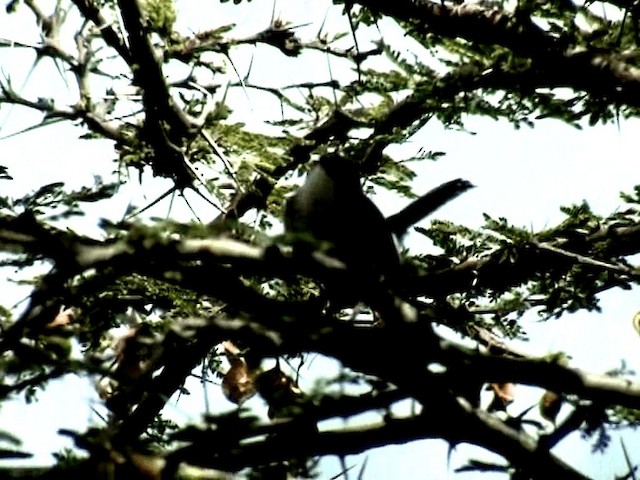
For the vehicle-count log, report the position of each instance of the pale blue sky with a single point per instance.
(523, 175)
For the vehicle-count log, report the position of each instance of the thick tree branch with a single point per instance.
(555, 64)
(457, 423)
(609, 242)
(407, 351)
(91, 12)
(443, 417)
(166, 124)
(399, 354)
(473, 22)
(605, 390)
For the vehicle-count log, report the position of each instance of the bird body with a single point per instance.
(331, 212)
(331, 209)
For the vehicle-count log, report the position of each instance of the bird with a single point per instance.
(331, 210)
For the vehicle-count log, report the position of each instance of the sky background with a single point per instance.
(524, 175)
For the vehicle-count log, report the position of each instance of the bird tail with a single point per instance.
(428, 203)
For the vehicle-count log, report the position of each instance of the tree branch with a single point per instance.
(90, 11)
(554, 63)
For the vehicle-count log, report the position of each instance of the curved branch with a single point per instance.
(473, 22)
(224, 261)
(398, 353)
(491, 272)
(89, 10)
(457, 422)
(554, 64)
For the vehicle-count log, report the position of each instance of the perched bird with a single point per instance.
(331, 210)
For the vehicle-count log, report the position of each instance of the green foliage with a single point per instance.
(67, 458)
(631, 197)
(111, 306)
(182, 121)
(59, 203)
(161, 15)
(160, 431)
(625, 417)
